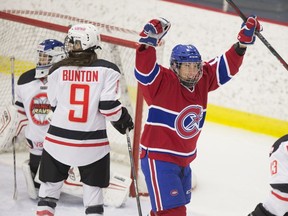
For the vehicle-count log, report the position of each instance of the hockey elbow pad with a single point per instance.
(125, 122)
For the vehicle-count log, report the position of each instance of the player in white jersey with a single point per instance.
(83, 92)
(276, 203)
(32, 104)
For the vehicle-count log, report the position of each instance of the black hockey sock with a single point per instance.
(97, 209)
(50, 202)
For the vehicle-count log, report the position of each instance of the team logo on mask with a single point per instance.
(39, 108)
(188, 120)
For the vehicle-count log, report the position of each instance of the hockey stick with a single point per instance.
(259, 35)
(133, 172)
(12, 59)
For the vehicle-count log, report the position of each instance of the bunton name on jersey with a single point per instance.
(80, 75)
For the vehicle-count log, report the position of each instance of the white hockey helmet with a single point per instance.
(49, 52)
(82, 37)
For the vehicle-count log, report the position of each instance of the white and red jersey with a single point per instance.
(176, 113)
(84, 98)
(32, 101)
(279, 163)
(277, 201)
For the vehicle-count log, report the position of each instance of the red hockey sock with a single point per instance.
(178, 211)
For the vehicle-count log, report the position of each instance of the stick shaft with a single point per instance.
(133, 172)
(12, 59)
(259, 35)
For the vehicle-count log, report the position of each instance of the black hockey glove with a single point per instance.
(124, 122)
(260, 211)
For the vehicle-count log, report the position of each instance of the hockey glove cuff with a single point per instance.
(124, 122)
(246, 35)
(154, 31)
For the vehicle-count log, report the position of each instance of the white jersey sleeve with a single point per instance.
(109, 106)
(32, 102)
(54, 88)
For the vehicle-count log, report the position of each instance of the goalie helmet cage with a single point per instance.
(22, 30)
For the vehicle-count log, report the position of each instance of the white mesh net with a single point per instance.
(20, 40)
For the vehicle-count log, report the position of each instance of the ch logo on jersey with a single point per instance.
(39, 108)
(174, 192)
(188, 120)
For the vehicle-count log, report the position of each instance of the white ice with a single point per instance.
(232, 170)
(232, 164)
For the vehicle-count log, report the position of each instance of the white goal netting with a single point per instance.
(21, 32)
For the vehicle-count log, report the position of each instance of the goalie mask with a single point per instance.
(186, 62)
(50, 51)
(82, 37)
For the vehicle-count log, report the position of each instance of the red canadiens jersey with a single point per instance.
(176, 114)
(32, 101)
(83, 98)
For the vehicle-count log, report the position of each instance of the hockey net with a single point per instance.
(22, 30)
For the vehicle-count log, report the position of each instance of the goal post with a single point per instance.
(22, 30)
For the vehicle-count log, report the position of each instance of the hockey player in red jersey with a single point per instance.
(83, 93)
(276, 203)
(33, 106)
(177, 99)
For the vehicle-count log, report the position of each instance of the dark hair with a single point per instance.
(76, 59)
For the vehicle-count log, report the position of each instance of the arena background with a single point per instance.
(256, 99)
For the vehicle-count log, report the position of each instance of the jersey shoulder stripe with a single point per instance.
(27, 77)
(278, 142)
(96, 63)
(106, 64)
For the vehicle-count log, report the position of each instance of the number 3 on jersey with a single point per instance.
(79, 99)
(273, 167)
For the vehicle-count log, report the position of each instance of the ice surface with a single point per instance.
(232, 165)
(232, 171)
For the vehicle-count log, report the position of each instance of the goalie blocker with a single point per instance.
(115, 195)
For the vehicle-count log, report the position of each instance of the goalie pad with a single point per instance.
(31, 190)
(115, 195)
(11, 124)
(118, 190)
